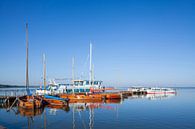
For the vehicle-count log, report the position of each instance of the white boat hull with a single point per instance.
(160, 91)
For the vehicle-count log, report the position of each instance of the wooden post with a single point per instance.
(8, 102)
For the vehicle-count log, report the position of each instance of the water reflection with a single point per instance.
(29, 112)
(77, 109)
(83, 105)
(159, 96)
(90, 107)
(79, 113)
(153, 96)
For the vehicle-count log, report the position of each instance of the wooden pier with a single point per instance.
(7, 99)
(126, 93)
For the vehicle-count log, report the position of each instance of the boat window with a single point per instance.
(76, 83)
(87, 82)
(81, 83)
(95, 82)
(76, 90)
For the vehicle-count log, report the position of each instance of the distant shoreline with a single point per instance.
(17, 86)
(13, 86)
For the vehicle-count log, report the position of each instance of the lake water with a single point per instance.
(136, 112)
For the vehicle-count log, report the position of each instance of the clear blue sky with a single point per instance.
(134, 41)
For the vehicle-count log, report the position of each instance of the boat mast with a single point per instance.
(90, 64)
(27, 77)
(72, 69)
(73, 73)
(93, 75)
(44, 72)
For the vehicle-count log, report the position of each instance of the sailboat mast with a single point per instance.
(72, 69)
(73, 74)
(44, 72)
(90, 64)
(93, 75)
(27, 77)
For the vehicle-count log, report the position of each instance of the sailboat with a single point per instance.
(49, 99)
(29, 101)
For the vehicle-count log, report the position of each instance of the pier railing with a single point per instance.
(13, 92)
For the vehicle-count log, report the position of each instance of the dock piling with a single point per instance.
(13, 104)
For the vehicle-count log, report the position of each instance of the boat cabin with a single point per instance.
(86, 83)
(77, 86)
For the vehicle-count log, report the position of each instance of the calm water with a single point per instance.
(137, 112)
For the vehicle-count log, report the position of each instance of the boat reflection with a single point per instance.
(76, 108)
(83, 112)
(159, 96)
(108, 101)
(66, 108)
(83, 105)
(79, 105)
(29, 112)
(153, 96)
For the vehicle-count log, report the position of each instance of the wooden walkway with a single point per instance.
(4, 99)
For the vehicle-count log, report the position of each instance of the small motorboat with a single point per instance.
(54, 100)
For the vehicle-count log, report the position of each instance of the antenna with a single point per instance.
(27, 77)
